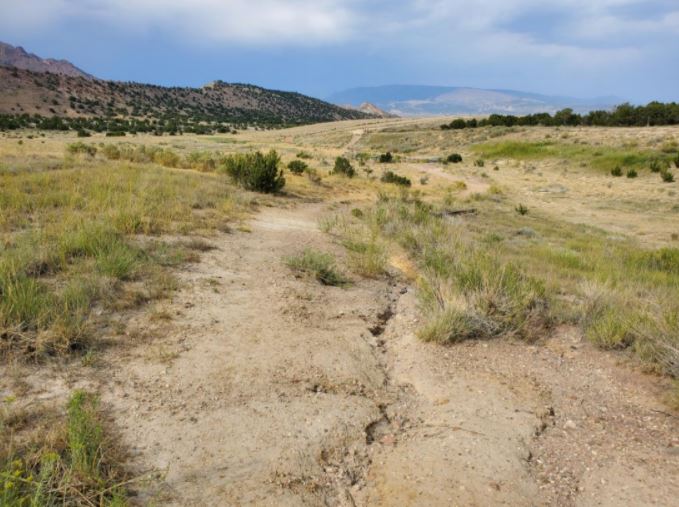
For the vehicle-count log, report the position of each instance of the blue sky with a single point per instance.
(584, 48)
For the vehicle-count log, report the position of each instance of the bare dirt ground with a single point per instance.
(267, 389)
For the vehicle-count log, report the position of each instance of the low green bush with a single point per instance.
(391, 177)
(297, 166)
(255, 171)
(386, 158)
(344, 167)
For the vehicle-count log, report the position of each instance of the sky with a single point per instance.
(580, 48)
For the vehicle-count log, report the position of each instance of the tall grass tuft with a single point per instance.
(317, 264)
(69, 462)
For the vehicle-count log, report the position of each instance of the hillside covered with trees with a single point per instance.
(53, 101)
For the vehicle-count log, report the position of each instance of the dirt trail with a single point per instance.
(356, 136)
(266, 389)
(271, 380)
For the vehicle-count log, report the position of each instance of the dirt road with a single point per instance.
(261, 388)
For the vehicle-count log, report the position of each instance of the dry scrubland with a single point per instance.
(530, 234)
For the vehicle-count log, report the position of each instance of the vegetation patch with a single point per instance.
(344, 167)
(319, 265)
(605, 159)
(61, 461)
(392, 177)
(255, 171)
(72, 243)
(297, 166)
(475, 285)
(386, 158)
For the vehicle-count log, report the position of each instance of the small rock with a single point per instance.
(388, 440)
(570, 425)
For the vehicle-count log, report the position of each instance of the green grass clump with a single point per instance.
(655, 166)
(61, 462)
(367, 252)
(317, 264)
(616, 171)
(667, 176)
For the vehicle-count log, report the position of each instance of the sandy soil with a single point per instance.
(267, 389)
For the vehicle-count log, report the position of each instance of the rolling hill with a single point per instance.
(30, 85)
(47, 94)
(414, 100)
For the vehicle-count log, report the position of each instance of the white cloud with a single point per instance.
(373, 23)
(242, 21)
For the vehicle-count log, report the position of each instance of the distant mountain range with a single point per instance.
(33, 85)
(414, 100)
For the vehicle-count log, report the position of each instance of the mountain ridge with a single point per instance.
(17, 57)
(422, 100)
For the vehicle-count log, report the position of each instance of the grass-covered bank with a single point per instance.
(91, 235)
(503, 273)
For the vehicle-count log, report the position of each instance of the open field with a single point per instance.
(503, 330)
